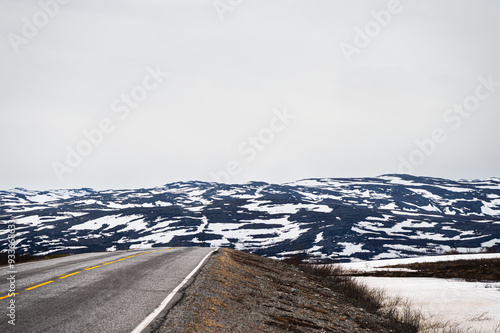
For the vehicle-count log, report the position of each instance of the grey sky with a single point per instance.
(228, 78)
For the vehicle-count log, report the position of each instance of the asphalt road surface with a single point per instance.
(93, 292)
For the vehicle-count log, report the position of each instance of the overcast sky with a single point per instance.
(140, 93)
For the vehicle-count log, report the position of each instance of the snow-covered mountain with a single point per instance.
(389, 216)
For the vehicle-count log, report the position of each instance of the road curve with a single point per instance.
(94, 292)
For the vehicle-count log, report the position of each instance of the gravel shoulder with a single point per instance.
(240, 292)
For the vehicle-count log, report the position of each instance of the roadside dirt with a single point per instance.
(241, 292)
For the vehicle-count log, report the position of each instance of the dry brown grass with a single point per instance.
(469, 270)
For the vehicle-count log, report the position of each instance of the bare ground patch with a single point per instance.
(241, 292)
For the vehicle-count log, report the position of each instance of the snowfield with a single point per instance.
(474, 305)
(470, 304)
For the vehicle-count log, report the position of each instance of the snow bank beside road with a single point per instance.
(473, 305)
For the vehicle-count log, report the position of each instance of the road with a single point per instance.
(94, 292)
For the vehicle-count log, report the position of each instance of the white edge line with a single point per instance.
(165, 302)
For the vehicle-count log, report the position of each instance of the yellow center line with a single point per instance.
(39, 285)
(68, 275)
(10, 295)
(86, 268)
(89, 268)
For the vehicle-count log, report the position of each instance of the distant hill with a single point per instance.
(389, 216)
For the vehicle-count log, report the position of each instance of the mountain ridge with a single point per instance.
(388, 216)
